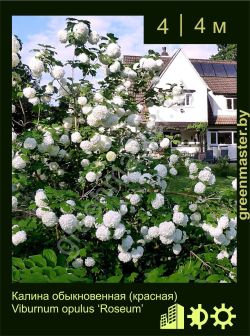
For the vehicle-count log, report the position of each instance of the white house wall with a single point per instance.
(182, 69)
(219, 105)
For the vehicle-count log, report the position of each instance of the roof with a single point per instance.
(222, 85)
(220, 120)
(218, 84)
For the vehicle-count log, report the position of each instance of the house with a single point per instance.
(209, 96)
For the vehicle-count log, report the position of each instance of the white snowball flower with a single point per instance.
(34, 101)
(178, 236)
(76, 137)
(193, 207)
(132, 146)
(166, 229)
(222, 255)
(41, 198)
(63, 36)
(103, 233)
(158, 202)
(89, 262)
(193, 168)
(178, 218)
(100, 112)
(29, 92)
(77, 263)
(14, 202)
(81, 31)
(113, 50)
(36, 66)
(119, 231)
(124, 257)
(231, 234)
(195, 217)
(215, 231)
(111, 219)
(15, 44)
(153, 232)
(85, 162)
(14, 136)
(166, 240)
(234, 184)
(204, 175)
(98, 97)
(19, 237)
(147, 63)
(105, 143)
(234, 258)
(212, 180)
(53, 166)
(64, 140)
(137, 253)
(123, 209)
(57, 72)
(173, 158)
(91, 176)
(30, 143)
(117, 100)
(135, 199)
(173, 171)
(49, 89)
(199, 188)
(94, 37)
(134, 177)
(82, 100)
(134, 120)
(83, 58)
(223, 222)
(177, 249)
(86, 146)
(153, 146)
(111, 156)
(15, 60)
(161, 170)
(144, 230)
(127, 243)
(68, 223)
(115, 67)
(18, 162)
(165, 143)
(49, 218)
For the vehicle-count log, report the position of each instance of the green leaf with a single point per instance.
(18, 262)
(214, 278)
(60, 270)
(39, 260)
(50, 256)
(132, 277)
(114, 279)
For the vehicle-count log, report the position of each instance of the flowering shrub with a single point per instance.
(98, 196)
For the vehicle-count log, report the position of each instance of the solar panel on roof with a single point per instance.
(208, 69)
(219, 70)
(198, 68)
(230, 70)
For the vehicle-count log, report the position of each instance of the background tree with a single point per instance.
(226, 52)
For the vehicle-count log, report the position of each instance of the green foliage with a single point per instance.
(226, 52)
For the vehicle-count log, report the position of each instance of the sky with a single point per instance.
(43, 29)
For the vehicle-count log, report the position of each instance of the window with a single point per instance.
(213, 138)
(188, 99)
(235, 137)
(224, 138)
(232, 103)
